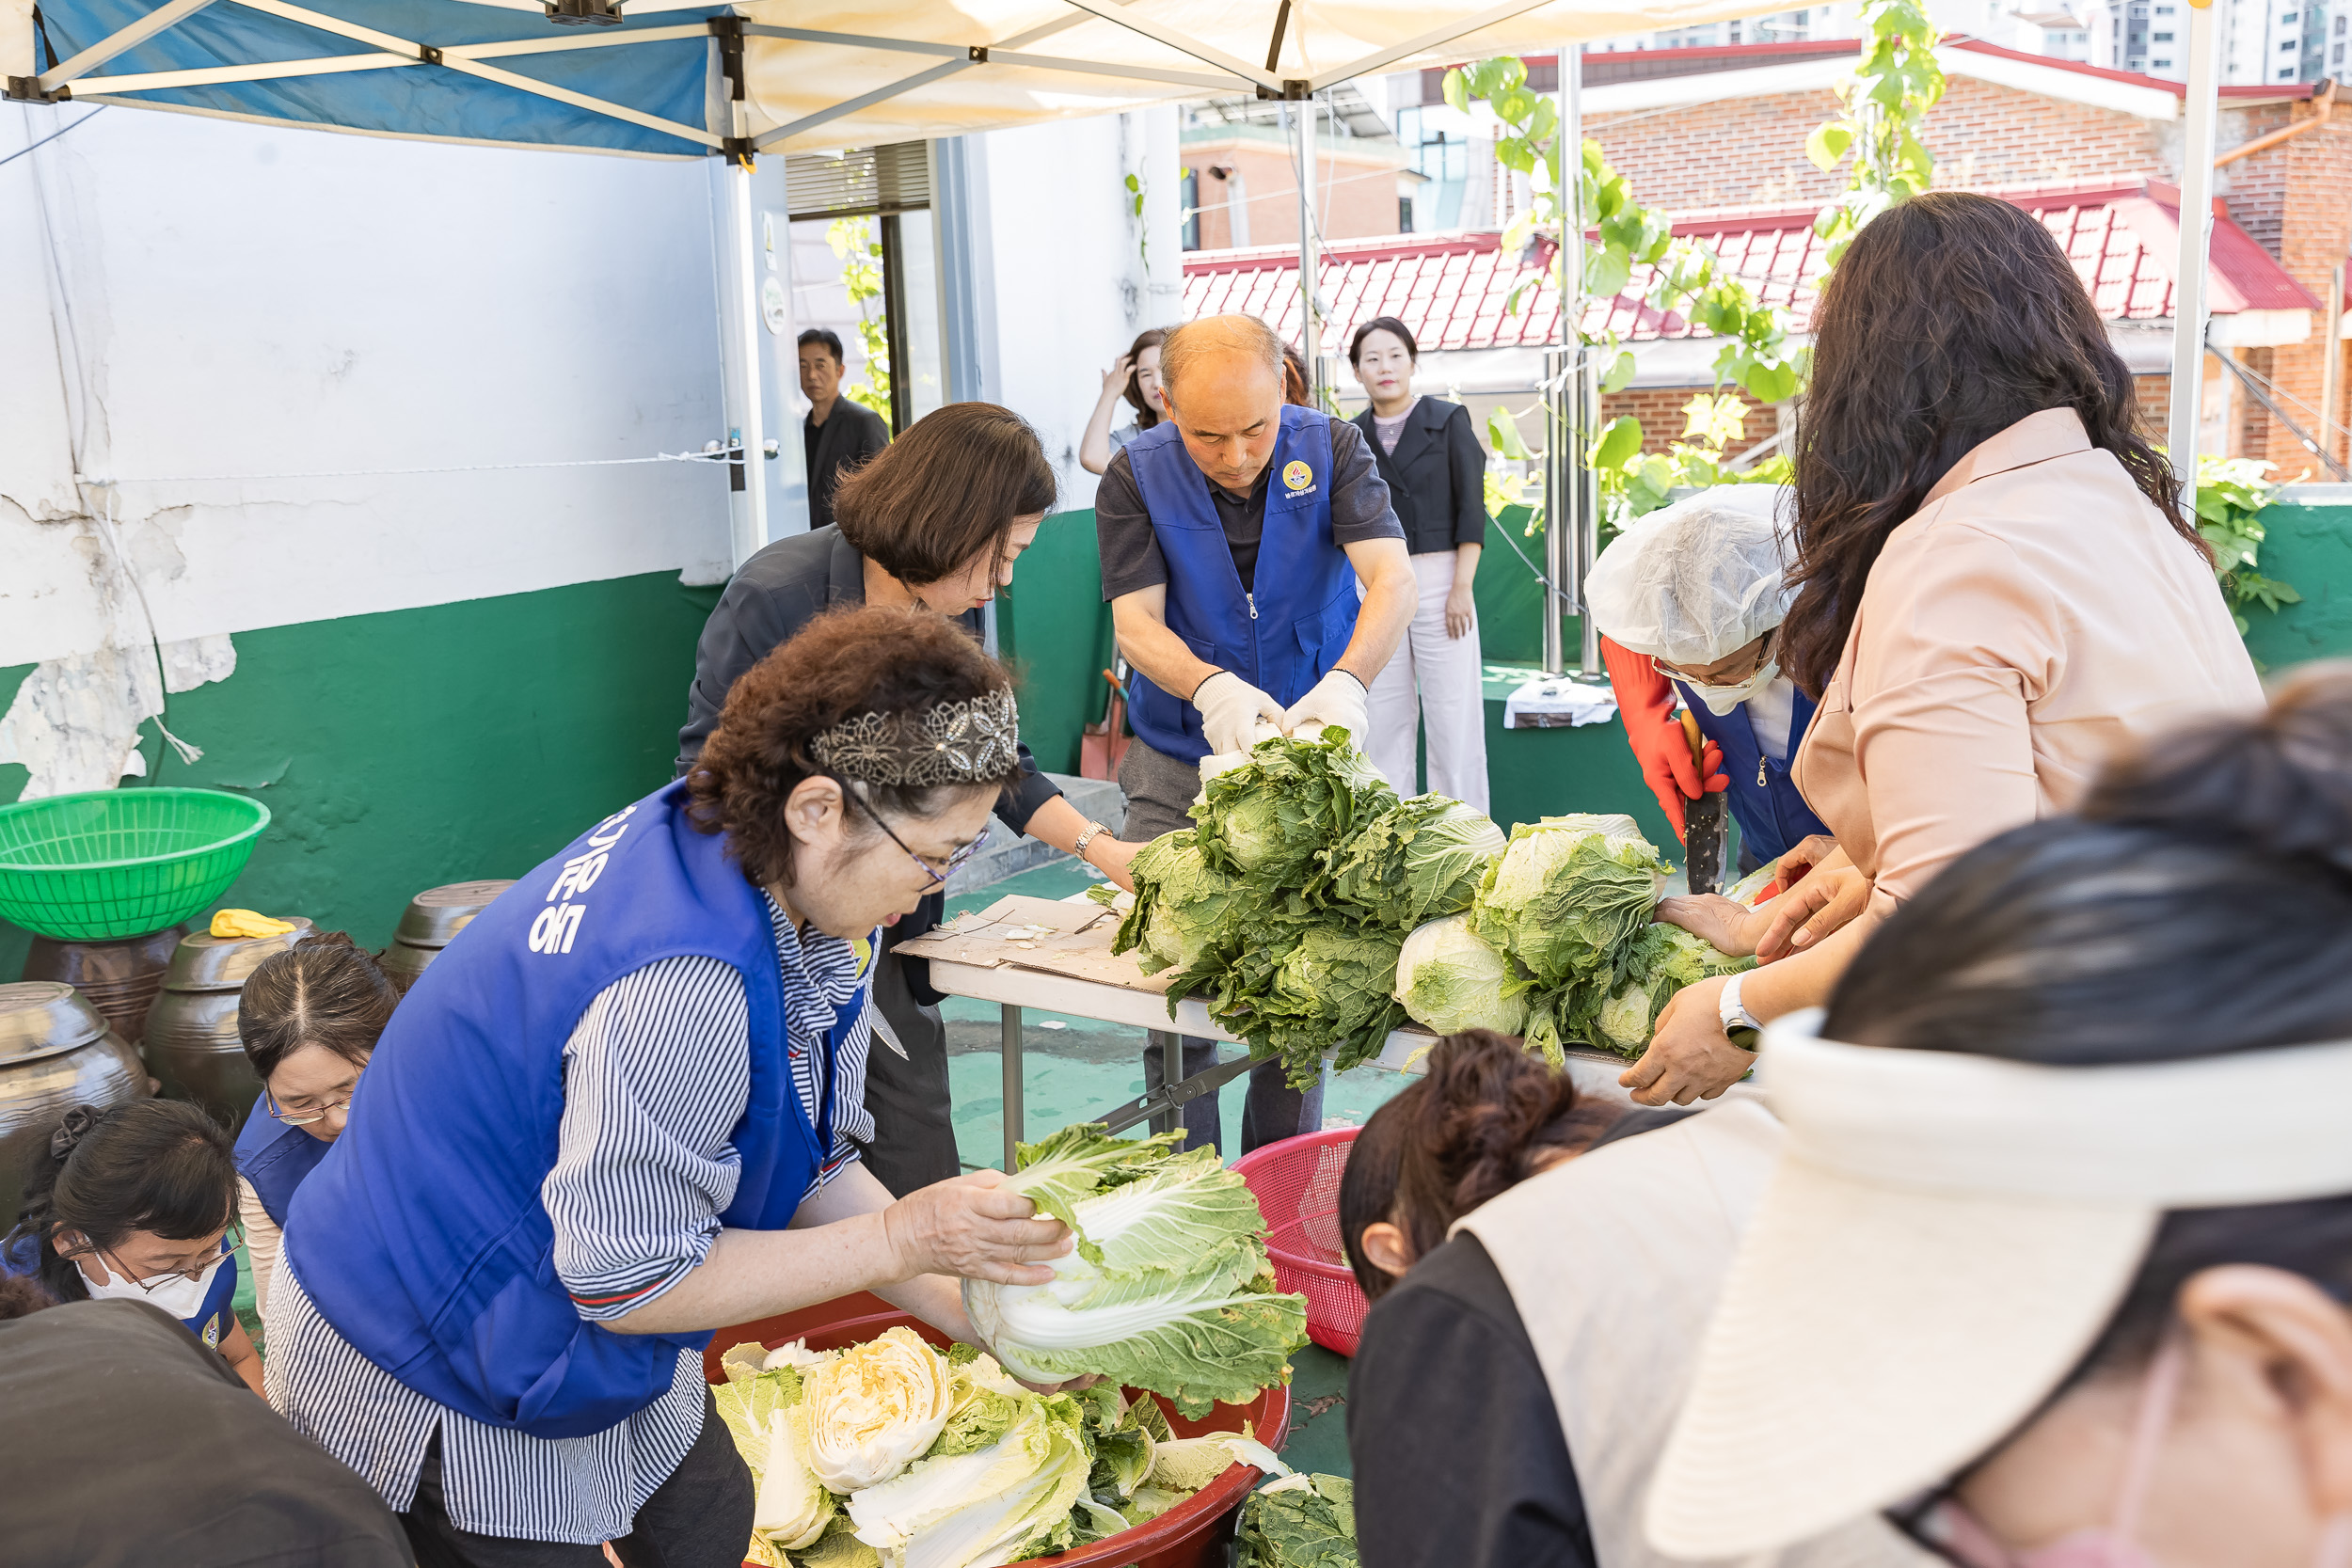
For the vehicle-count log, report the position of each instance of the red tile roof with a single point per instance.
(1452, 289)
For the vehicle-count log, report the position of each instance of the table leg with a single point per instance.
(1016, 1121)
(1171, 1072)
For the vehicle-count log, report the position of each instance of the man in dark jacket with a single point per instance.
(837, 434)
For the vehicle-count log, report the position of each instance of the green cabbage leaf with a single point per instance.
(1568, 896)
(1664, 959)
(1299, 1522)
(1421, 859)
(1271, 818)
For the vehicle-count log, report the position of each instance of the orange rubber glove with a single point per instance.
(1645, 699)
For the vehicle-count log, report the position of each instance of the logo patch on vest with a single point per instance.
(557, 925)
(1297, 478)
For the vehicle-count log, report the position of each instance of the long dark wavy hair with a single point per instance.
(1950, 318)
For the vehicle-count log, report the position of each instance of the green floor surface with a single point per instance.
(1076, 1067)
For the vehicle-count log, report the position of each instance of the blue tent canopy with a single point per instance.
(654, 84)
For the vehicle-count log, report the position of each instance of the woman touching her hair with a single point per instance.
(1996, 592)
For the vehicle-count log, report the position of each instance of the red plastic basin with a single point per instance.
(1193, 1534)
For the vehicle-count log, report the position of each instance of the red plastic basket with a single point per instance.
(1196, 1533)
(1297, 1183)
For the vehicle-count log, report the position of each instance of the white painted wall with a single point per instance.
(196, 297)
(1069, 258)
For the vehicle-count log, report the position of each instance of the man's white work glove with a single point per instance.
(1231, 709)
(1338, 697)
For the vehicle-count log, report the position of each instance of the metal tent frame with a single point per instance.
(671, 78)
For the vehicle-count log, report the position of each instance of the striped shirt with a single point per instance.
(656, 1074)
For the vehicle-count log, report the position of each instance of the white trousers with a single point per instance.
(1433, 677)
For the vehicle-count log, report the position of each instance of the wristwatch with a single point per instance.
(1739, 1025)
(1085, 838)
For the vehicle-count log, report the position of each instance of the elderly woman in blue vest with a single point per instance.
(1256, 574)
(1690, 596)
(608, 1121)
(308, 1019)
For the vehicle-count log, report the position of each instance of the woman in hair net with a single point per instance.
(1687, 600)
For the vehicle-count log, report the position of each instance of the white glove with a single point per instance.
(1338, 697)
(1231, 709)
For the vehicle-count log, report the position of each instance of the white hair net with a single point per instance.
(1695, 582)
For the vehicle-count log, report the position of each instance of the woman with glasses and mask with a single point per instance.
(1688, 599)
(2054, 1270)
(138, 1203)
(625, 1111)
(308, 1019)
(934, 521)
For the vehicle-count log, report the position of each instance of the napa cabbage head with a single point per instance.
(875, 1408)
(1449, 979)
(1168, 1290)
(1665, 958)
(1185, 909)
(1421, 859)
(1328, 992)
(1271, 818)
(1570, 895)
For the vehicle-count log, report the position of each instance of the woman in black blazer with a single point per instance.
(1437, 473)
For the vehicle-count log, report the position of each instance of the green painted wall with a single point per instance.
(2309, 547)
(401, 751)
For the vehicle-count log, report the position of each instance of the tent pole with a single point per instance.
(750, 519)
(1310, 257)
(2189, 263)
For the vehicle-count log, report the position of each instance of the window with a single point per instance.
(2286, 76)
(2139, 38)
(2160, 38)
(2338, 57)
(1404, 214)
(2162, 65)
(2164, 10)
(2288, 47)
(2339, 29)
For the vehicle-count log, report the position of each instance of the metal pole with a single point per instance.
(2188, 267)
(1588, 515)
(2331, 371)
(1310, 257)
(1563, 466)
(1016, 1118)
(751, 523)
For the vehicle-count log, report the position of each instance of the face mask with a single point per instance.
(1721, 700)
(180, 1296)
(1956, 1532)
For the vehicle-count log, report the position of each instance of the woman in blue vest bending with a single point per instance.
(1687, 599)
(137, 1203)
(608, 1121)
(308, 1019)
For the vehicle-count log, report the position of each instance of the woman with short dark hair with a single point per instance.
(308, 1019)
(1437, 473)
(2056, 1264)
(620, 1113)
(1996, 591)
(934, 522)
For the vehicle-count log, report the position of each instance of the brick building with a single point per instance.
(1716, 136)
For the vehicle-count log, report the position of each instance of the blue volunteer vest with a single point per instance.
(1773, 816)
(422, 1237)
(274, 1158)
(1289, 632)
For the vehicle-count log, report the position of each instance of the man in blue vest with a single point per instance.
(1688, 599)
(1256, 574)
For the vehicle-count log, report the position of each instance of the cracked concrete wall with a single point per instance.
(74, 723)
(197, 299)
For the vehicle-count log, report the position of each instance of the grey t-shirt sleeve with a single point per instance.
(1359, 496)
(1123, 531)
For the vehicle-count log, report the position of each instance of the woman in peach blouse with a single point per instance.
(1998, 592)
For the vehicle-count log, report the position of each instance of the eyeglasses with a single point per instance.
(937, 875)
(232, 1239)
(1763, 652)
(304, 1119)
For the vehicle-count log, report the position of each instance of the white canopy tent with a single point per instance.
(686, 78)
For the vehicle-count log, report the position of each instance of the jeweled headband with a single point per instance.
(972, 741)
